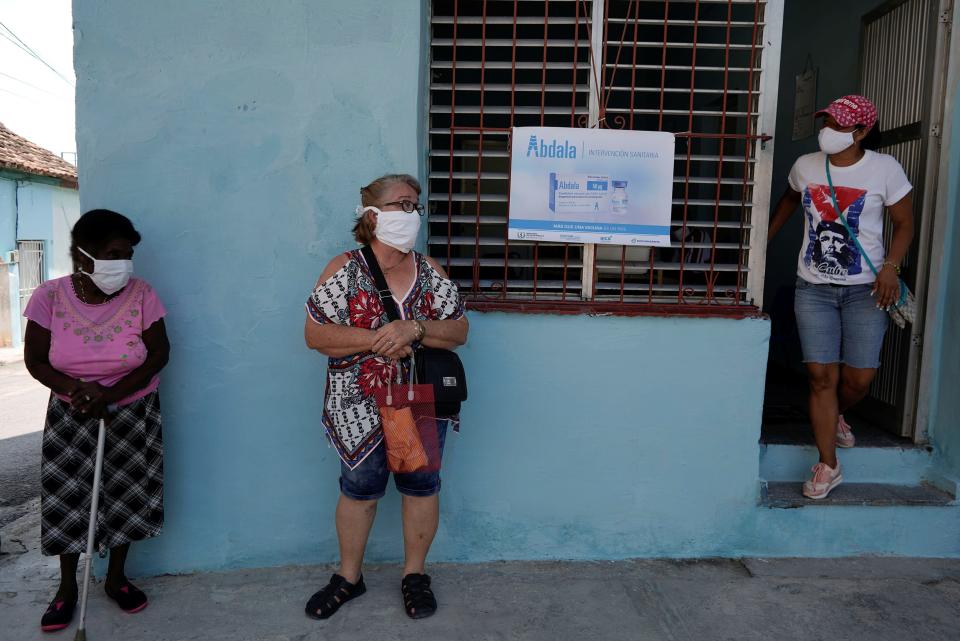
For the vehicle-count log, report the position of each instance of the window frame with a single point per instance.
(762, 101)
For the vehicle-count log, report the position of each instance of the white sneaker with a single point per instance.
(824, 479)
(844, 433)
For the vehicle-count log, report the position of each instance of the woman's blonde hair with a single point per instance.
(372, 195)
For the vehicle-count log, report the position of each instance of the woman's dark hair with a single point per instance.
(98, 227)
(872, 141)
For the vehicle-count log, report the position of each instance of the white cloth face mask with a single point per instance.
(396, 229)
(833, 141)
(110, 276)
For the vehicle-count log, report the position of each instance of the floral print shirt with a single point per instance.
(350, 298)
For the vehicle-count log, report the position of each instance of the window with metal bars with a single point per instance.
(690, 67)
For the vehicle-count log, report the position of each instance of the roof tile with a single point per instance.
(19, 154)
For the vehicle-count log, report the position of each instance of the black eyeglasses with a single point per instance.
(408, 206)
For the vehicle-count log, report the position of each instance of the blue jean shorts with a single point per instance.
(368, 481)
(839, 324)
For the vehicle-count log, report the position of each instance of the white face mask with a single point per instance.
(396, 229)
(109, 276)
(833, 141)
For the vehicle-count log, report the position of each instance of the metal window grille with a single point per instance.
(691, 67)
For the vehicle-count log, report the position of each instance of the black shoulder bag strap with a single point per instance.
(441, 368)
(386, 296)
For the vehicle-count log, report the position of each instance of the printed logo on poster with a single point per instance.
(591, 185)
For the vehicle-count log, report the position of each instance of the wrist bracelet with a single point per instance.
(421, 330)
(895, 266)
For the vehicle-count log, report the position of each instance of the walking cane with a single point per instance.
(91, 529)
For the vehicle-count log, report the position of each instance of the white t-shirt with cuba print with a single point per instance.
(864, 189)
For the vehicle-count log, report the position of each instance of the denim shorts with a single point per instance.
(839, 324)
(368, 481)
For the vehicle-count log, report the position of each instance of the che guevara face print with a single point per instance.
(830, 250)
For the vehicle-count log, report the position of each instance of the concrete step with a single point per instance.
(896, 465)
(789, 495)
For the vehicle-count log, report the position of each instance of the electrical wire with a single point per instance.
(32, 86)
(29, 51)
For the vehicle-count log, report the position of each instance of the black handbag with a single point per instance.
(434, 366)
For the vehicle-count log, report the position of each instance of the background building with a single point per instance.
(38, 205)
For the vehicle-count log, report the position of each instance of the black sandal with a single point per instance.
(418, 599)
(338, 591)
(129, 597)
(58, 615)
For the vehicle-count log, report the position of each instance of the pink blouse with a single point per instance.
(99, 343)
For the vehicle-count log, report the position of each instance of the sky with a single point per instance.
(35, 102)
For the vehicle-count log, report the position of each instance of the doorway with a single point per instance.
(899, 61)
(904, 77)
(32, 271)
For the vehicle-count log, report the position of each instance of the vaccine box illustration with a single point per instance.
(579, 193)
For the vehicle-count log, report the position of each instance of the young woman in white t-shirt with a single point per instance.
(840, 303)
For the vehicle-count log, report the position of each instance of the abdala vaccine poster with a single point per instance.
(601, 186)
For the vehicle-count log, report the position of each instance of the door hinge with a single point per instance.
(935, 130)
(917, 340)
(946, 16)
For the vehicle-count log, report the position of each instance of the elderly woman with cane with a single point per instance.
(97, 339)
(347, 321)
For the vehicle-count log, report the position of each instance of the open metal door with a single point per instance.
(903, 62)
(32, 271)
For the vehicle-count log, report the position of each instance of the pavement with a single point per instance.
(23, 403)
(868, 598)
(9, 355)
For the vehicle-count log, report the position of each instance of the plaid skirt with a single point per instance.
(131, 498)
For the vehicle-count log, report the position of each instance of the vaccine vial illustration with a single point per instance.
(618, 200)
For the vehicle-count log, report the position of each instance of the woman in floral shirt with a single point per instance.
(346, 322)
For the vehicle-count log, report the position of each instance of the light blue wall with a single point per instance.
(945, 417)
(35, 204)
(583, 438)
(8, 215)
(241, 168)
(238, 147)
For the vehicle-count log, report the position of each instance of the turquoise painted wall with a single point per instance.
(584, 437)
(945, 417)
(242, 167)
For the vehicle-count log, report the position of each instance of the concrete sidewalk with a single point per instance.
(10, 355)
(837, 599)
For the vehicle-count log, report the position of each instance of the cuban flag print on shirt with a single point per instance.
(830, 250)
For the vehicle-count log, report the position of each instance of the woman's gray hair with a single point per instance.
(372, 196)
